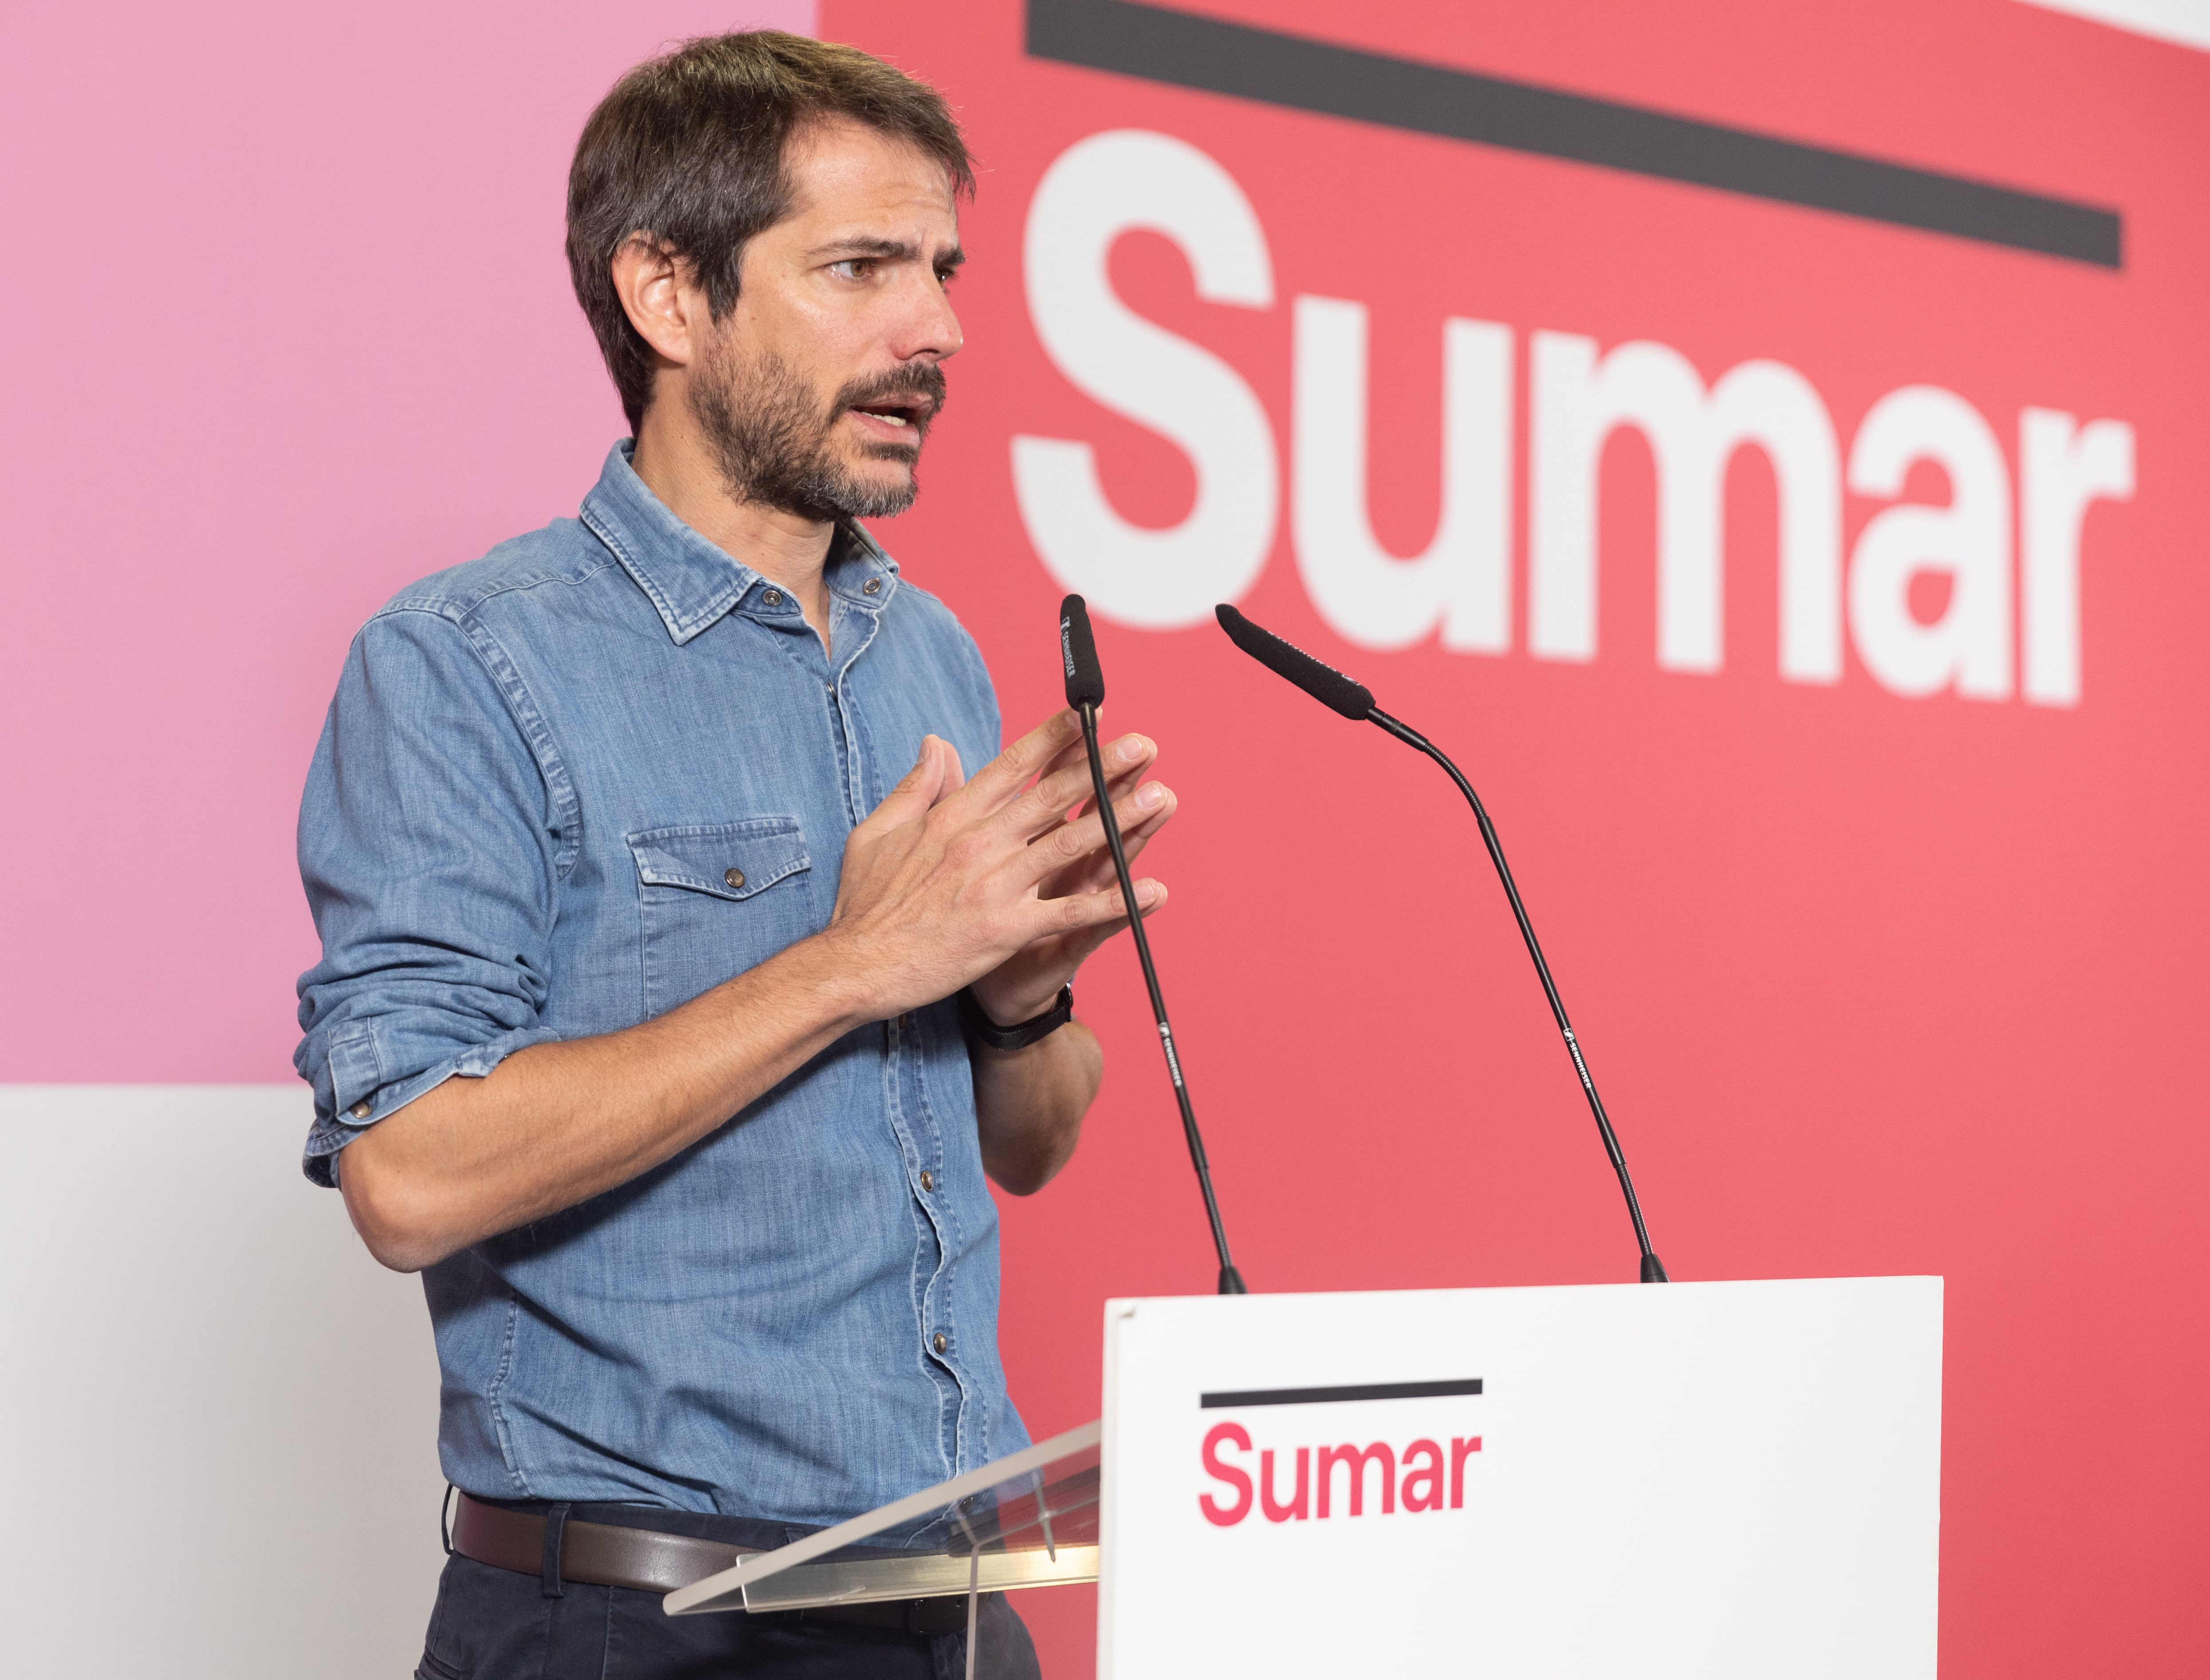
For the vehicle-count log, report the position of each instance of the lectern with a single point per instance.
(1717, 1480)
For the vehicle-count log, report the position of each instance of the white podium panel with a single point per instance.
(1723, 1481)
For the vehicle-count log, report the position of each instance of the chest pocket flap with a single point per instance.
(731, 860)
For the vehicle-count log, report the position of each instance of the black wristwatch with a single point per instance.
(980, 1025)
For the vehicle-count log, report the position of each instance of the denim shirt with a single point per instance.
(562, 790)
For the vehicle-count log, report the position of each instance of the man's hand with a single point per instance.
(990, 881)
(981, 883)
(1026, 983)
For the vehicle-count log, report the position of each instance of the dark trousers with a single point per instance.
(496, 1625)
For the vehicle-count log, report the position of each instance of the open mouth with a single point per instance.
(907, 412)
(895, 407)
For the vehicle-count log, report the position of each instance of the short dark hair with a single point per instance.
(688, 151)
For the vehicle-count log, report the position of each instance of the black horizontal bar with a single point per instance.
(1357, 1391)
(1214, 57)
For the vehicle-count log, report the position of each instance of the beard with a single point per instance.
(774, 445)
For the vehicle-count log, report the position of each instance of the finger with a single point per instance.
(1081, 947)
(1127, 760)
(1094, 872)
(1151, 817)
(1105, 912)
(919, 788)
(1077, 948)
(1063, 791)
(1070, 844)
(1119, 787)
(998, 782)
(1072, 754)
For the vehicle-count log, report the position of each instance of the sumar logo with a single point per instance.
(1420, 1476)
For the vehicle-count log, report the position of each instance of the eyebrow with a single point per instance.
(896, 251)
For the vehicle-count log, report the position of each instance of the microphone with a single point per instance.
(1077, 652)
(1334, 690)
(1285, 659)
(1085, 692)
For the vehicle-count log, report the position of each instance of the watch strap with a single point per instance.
(979, 1025)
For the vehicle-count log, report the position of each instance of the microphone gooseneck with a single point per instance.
(1086, 691)
(1331, 688)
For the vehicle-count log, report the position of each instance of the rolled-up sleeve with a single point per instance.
(430, 846)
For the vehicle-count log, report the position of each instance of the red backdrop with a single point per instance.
(1873, 982)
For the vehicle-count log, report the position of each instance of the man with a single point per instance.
(654, 895)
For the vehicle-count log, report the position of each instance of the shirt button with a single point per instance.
(360, 1111)
(735, 877)
(772, 598)
(939, 1344)
(873, 586)
(927, 1179)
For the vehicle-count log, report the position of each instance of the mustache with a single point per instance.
(922, 379)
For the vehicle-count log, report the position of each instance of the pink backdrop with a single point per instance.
(289, 326)
(1872, 983)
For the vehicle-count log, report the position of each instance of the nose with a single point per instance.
(932, 328)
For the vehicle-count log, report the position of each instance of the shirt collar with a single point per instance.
(691, 581)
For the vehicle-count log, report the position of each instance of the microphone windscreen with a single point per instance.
(1323, 682)
(1077, 651)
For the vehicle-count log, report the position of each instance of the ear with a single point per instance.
(659, 296)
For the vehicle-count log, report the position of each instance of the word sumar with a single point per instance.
(2007, 542)
(1418, 1479)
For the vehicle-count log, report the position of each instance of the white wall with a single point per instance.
(218, 1416)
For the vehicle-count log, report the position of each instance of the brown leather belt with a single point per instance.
(599, 1554)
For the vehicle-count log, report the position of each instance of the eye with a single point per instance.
(853, 267)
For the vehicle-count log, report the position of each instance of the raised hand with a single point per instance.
(1026, 983)
(991, 880)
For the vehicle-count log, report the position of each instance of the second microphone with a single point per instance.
(1085, 692)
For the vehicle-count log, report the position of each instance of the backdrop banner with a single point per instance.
(1762, 445)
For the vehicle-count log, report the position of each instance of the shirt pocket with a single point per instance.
(714, 899)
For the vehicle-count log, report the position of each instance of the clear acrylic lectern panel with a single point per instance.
(1027, 1521)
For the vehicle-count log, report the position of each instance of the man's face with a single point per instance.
(815, 391)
